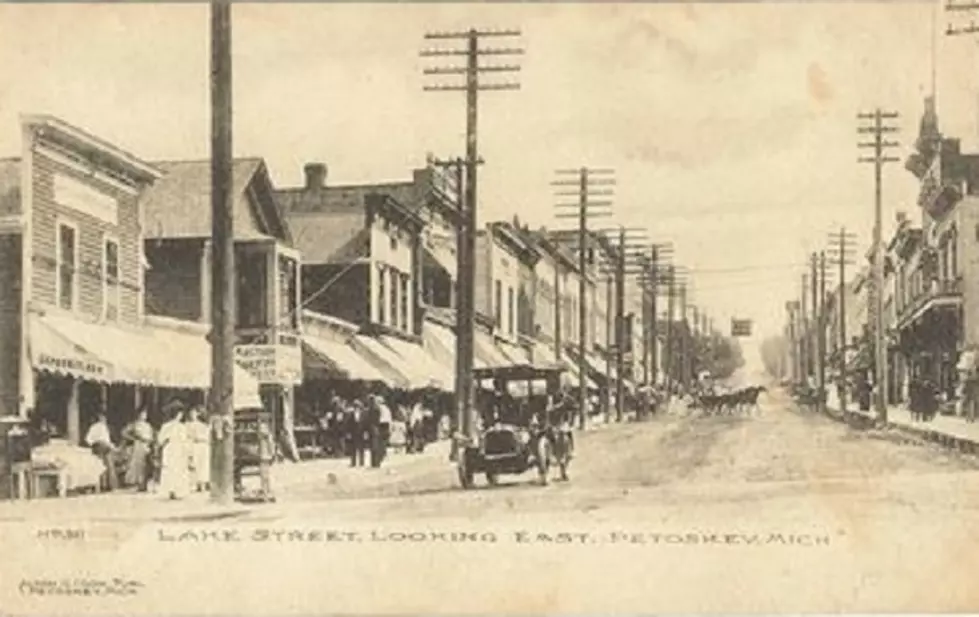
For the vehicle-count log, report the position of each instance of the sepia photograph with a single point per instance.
(489, 308)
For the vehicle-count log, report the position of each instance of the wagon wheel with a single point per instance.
(492, 478)
(543, 459)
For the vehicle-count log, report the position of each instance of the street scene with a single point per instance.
(500, 309)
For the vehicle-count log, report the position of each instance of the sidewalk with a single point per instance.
(131, 506)
(951, 431)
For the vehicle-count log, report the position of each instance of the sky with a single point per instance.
(731, 127)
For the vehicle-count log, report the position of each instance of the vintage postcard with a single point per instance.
(459, 308)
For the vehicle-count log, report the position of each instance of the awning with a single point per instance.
(436, 374)
(341, 359)
(515, 353)
(149, 356)
(440, 343)
(414, 371)
(486, 353)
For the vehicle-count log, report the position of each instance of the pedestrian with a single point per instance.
(355, 421)
(175, 474)
(266, 456)
(100, 441)
(382, 422)
(199, 442)
(138, 436)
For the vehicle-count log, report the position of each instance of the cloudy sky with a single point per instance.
(732, 128)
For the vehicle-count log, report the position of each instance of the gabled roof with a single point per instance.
(77, 139)
(178, 205)
(330, 237)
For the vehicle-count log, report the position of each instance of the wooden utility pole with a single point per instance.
(804, 332)
(654, 314)
(463, 282)
(822, 329)
(609, 337)
(683, 335)
(814, 308)
(668, 357)
(878, 129)
(840, 247)
(585, 209)
(221, 396)
(465, 309)
(620, 333)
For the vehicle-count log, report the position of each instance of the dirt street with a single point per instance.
(780, 511)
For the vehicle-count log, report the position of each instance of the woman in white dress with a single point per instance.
(175, 473)
(199, 436)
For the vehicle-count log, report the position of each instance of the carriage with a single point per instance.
(517, 435)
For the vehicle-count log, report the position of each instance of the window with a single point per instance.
(953, 253)
(251, 293)
(381, 293)
(405, 284)
(110, 283)
(511, 310)
(288, 309)
(67, 264)
(498, 304)
(395, 290)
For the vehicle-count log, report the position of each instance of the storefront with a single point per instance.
(83, 368)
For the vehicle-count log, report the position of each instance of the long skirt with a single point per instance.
(138, 470)
(202, 462)
(175, 475)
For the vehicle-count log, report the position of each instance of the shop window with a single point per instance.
(381, 293)
(67, 265)
(110, 283)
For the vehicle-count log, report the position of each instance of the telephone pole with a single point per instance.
(628, 262)
(223, 259)
(586, 208)
(804, 333)
(684, 332)
(841, 245)
(879, 146)
(822, 329)
(458, 166)
(465, 313)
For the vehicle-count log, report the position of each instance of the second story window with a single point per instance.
(381, 293)
(252, 292)
(405, 286)
(288, 307)
(498, 304)
(67, 265)
(511, 310)
(393, 296)
(110, 288)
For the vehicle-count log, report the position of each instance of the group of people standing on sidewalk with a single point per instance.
(174, 460)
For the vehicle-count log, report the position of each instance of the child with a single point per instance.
(266, 454)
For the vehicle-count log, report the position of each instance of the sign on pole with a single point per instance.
(740, 327)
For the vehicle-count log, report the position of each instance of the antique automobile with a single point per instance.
(516, 433)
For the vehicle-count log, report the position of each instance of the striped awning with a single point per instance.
(148, 355)
(342, 360)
